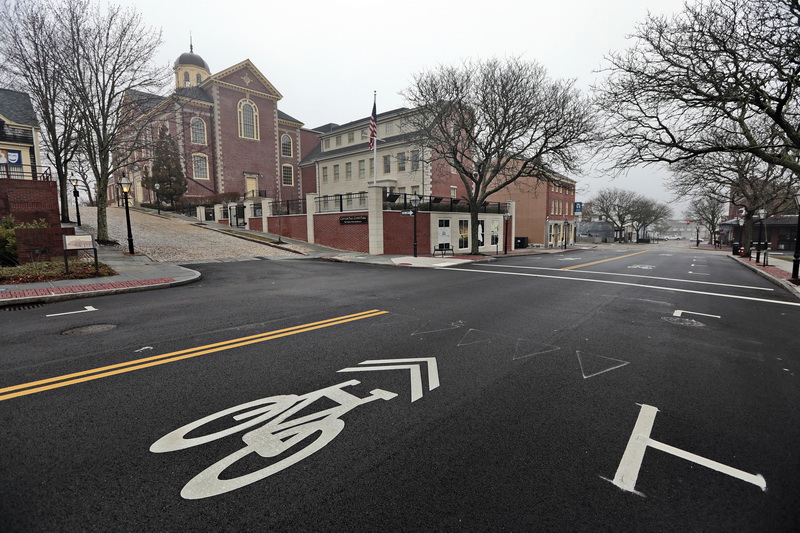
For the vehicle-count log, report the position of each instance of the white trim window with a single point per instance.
(286, 146)
(287, 175)
(198, 129)
(248, 119)
(200, 166)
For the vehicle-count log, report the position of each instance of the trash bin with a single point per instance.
(520, 242)
(735, 248)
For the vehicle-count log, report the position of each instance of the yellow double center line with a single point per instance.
(138, 364)
(573, 267)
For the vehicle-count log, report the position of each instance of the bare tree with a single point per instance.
(646, 212)
(30, 52)
(708, 210)
(496, 121)
(722, 76)
(109, 57)
(616, 206)
(742, 179)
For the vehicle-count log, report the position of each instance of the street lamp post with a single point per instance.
(414, 207)
(157, 187)
(74, 181)
(762, 213)
(125, 185)
(741, 236)
(506, 216)
(796, 262)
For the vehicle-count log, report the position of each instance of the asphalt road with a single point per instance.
(594, 390)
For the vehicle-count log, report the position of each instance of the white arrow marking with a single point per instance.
(143, 349)
(85, 310)
(416, 375)
(698, 273)
(679, 312)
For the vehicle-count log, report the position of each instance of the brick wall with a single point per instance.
(256, 224)
(398, 233)
(329, 232)
(289, 226)
(29, 200)
(40, 244)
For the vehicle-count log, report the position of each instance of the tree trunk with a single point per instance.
(473, 228)
(63, 197)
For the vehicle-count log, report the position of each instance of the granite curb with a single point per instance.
(789, 286)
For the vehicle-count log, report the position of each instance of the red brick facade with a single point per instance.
(398, 233)
(29, 200)
(328, 231)
(289, 226)
(233, 158)
(41, 244)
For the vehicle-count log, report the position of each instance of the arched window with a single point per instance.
(200, 166)
(248, 119)
(198, 131)
(286, 146)
(186, 79)
(199, 78)
(287, 172)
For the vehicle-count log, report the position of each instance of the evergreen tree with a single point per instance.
(166, 169)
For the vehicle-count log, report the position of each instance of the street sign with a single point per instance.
(407, 213)
(578, 207)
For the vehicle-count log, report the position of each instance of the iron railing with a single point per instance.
(338, 203)
(402, 202)
(25, 172)
(288, 207)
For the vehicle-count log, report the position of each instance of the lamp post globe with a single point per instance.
(506, 216)
(762, 214)
(74, 182)
(125, 185)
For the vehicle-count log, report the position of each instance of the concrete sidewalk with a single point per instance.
(134, 273)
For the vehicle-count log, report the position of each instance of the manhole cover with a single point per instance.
(683, 321)
(87, 330)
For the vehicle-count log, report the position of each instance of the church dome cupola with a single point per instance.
(190, 69)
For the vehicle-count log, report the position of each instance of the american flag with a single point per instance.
(373, 127)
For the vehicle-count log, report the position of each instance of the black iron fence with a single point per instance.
(337, 203)
(288, 207)
(402, 202)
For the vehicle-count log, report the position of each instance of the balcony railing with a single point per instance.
(402, 201)
(24, 172)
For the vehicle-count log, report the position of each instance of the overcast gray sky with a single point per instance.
(327, 57)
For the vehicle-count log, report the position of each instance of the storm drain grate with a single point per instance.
(20, 307)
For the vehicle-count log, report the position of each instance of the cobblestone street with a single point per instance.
(172, 239)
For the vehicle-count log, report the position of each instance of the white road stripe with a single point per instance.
(639, 276)
(608, 282)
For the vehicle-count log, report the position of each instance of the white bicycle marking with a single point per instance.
(279, 435)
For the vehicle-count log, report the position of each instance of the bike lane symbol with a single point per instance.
(278, 434)
(282, 437)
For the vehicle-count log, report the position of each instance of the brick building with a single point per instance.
(545, 210)
(231, 136)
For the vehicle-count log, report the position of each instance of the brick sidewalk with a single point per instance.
(73, 289)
